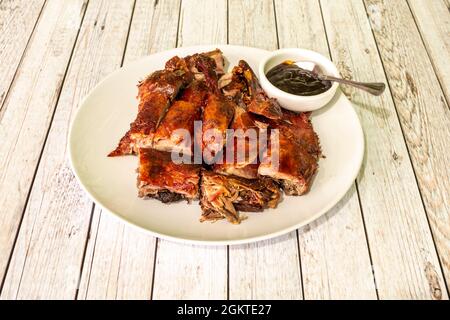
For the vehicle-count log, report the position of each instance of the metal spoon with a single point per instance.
(375, 88)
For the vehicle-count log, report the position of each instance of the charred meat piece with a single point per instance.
(160, 178)
(293, 161)
(219, 60)
(234, 85)
(222, 196)
(179, 121)
(217, 113)
(257, 101)
(189, 63)
(155, 95)
(242, 149)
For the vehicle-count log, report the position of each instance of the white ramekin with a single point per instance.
(291, 101)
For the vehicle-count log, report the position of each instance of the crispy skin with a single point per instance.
(234, 86)
(222, 196)
(298, 154)
(189, 63)
(181, 115)
(159, 177)
(217, 113)
(257, 101)
(155, 95)
(157, 92)
(242, 164)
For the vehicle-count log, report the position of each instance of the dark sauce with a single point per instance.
(290, 78)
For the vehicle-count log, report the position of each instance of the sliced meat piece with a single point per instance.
(241, 153)
(155, 95)
(258, 102)
(189, 63)
(179, 121)
(294, 160)
(160, 178)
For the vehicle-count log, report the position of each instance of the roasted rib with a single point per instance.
(160, 178)
(222, 196)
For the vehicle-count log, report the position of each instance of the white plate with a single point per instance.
(106, 113)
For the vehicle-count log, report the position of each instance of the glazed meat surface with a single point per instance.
(155, 95)
(295, 160)
(217, 114)
(271, 150)
(258, 101)
(159, 177)
(181, 115)
(243, 148)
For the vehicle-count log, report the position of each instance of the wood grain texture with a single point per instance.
(154, 28)
(119, 261)
(433, 20)
(334, 255)
(252, 23)
(402, 249)
(185, 271)
(17, 21)
(266, 269)
(422, 110)
(190, 272)
(27, 113)
(127, 253)
(202, 22)
(48, 255)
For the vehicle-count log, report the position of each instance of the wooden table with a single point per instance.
(388, 238)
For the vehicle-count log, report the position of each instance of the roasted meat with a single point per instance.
(223, 196)
(217, 114)
(244, 168)
(155, 95)
(179, 121)
(189, 63)
(293, 161)
(257, 100)
(242, 149)
(161, 178)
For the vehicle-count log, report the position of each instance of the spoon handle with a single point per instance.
(375, 88)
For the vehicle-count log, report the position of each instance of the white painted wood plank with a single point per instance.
(334, 254)
(17, 21)
(252, 23)
(267, 269)
(185, 271)
(154, 28)
(402, 249)
(190, 272)
(48, 255)
(209, 26)
(423, 112)
(433, 21)
(119, 261)
(125, 252)
(27, 112)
